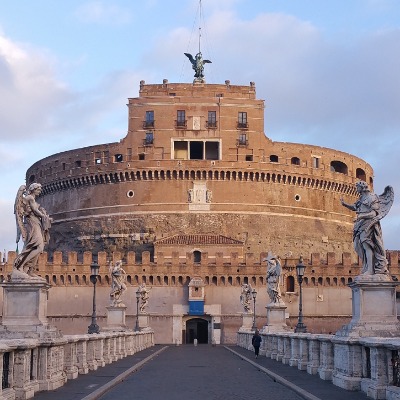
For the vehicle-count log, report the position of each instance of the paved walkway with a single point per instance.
(198, 373)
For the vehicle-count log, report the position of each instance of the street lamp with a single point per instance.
(94, 273)
(300, 268)
(137, 310)
(254, 294)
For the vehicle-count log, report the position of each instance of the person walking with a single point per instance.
(256, 342)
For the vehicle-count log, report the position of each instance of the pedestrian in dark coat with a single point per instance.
(256, 342)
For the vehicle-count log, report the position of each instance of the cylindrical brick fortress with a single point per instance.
(196, 160)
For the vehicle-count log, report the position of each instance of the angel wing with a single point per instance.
(190, 57)
(207, 61)
(19, 210)
(385, 204)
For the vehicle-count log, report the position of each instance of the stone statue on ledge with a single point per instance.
(144, 297)
(245, 297)
(367, 234)
(33, 224)
(118, 286)
(274, 270)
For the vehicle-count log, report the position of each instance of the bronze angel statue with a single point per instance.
(33, 225)
(198, 65)
(367, 233)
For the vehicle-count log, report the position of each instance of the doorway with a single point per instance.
(197, 328)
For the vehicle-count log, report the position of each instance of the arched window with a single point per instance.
(197, 256)
(360, 174)
(295, 161)
(338, 166)
(290, 284)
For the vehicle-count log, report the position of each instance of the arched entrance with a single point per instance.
(197, 328)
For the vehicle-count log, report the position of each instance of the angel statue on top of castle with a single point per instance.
(198, 65)
(33, 225)
(118, 286)
(367, 232)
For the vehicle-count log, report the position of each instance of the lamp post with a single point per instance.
(254, 294)
(137, 310)
(300, 268)
(94, 273)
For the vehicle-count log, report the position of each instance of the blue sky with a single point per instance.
(328, 70)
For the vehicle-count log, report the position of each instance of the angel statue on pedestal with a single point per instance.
(274, 271)
(118, 286)
(367, 233)
(245, 297)
(33, 225)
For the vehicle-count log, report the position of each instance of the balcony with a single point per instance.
(242, 142)
(242, 125)
(181, 124)
(211, 124)
(148, 124)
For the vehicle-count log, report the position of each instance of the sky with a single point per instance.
(329, 72)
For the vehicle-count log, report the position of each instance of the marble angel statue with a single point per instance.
(118, 286)
(367, 233)
(33, 225)
(245, 297)
(144, 297)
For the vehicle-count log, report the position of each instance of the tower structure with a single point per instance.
(196, 160)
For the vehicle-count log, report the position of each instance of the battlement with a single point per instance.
(72, 262)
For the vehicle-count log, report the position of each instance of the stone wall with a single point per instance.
(364, 364)
(36, 365)
(326, 296)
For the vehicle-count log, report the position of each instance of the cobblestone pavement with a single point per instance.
(198, 372)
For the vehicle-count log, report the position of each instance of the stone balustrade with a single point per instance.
(367, 364)
(28, 366)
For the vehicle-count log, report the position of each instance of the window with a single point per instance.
(273, 158)
(315, 162)
(149, 122)
(129, 154)
(78, 163)
(338, 166)
(141, 156)
(242, 120)
(360, 174)
(149, 139)
(290, 284)
(118, 158)
(249, 157)
(242, 139)
(295, 161)
(196, 256)
(212, 119)
(181, 119)
(106, 156)
(196, 150)
(97, 157)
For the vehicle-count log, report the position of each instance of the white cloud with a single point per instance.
(29, 91)
(101, 13)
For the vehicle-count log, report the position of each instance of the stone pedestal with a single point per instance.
(25, 311)
(374, 310)
(247, 322)
(144, 322)
(116, 318)
(276, 318)
(374, 315)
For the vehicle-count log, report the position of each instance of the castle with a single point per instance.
(197, 190)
